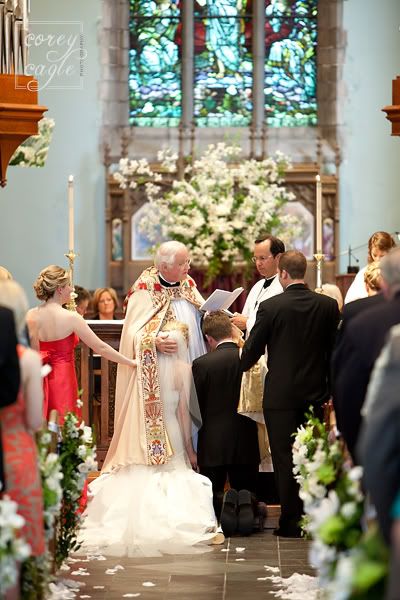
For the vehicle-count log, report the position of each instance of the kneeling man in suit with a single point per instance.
(228, 442)
(298, 327)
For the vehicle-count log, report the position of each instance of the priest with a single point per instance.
(162, 293)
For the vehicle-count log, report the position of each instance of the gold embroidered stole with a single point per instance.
(157, 444)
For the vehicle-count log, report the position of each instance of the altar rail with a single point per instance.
(97, 378)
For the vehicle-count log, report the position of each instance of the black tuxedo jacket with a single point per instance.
(298, 327)
(225, 438)
(9, 363)
(360, 346)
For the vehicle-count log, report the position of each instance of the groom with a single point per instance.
(162, 293)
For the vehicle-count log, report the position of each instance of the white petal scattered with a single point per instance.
(271, 569)
(85, 596)
(296, 587)
(148, 584)
(65, 568)
(224, 550)
(119, 568)
(239, 549)
(239, 559)
(131, 595)
(99, 587)
(58, 591)
(91, 557)
(81, 572)
(110, 571)
(262, 578)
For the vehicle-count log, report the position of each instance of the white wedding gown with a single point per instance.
(148, 510)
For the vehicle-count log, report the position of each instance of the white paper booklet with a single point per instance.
(220, 300)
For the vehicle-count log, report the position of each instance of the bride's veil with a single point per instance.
(175, 374)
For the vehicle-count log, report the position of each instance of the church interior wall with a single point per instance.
(370, 173)
(34, 204)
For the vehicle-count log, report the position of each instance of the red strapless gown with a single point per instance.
(60, 386)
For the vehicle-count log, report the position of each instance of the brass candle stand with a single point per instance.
(71, 259)
(319, 257)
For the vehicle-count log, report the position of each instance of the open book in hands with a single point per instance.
(221, 300)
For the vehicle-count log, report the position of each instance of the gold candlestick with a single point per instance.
(319, 257)
(71, 259)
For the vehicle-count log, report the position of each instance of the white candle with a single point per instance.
(318, 214)
(71, 213)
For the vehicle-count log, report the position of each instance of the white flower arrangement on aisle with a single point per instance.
(33, 151)
(78, 458)
(51, 475)
(350, 562)
(13, 549)
(219, 208)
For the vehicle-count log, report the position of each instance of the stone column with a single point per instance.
(187, 74)
(258, 47)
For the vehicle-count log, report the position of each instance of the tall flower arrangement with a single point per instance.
(218, 209)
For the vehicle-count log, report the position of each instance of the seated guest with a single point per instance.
(9, 370)
(19, 421)
(372, 278)
(228, 443)
(360, 345)
(379, 244)
(82, 300)
(105, 303)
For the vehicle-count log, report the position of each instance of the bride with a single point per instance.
(146, 510)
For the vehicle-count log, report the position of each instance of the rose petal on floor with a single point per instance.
(148, 584)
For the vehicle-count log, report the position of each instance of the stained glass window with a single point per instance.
(155, 69)
(222, 63)
(291, 64)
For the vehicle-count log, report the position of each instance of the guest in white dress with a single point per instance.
(148, 510)
(379, 245)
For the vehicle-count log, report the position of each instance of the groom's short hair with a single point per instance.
(217, 324)
(294, 263)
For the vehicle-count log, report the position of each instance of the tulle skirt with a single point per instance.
(149, 511)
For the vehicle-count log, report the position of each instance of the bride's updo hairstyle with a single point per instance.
(177, 326)
(51, 278)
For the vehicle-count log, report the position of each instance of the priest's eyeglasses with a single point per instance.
(186, 263)
(261, 258)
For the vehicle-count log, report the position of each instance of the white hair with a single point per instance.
(12, 296)
(167, 251)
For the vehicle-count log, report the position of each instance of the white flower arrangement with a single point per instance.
(218, 209)
(78, 458)
(33, 151)
(350, 562)
(51, 476)
(13, 549)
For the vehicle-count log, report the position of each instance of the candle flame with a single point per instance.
(317, 178)
(71, 179)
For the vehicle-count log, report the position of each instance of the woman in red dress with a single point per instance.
(55, 332)
(19, 421)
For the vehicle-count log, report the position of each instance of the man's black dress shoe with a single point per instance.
(294, 532)
(229, 518)
(246, 513)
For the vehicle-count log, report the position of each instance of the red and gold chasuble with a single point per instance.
(158, 448)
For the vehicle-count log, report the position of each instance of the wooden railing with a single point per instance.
(96, 379)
